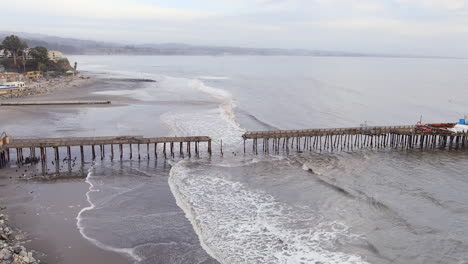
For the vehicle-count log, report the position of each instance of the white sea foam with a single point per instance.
(214, 78)
(227, 103)
(219, 123)
(240, 225)
(79, 223)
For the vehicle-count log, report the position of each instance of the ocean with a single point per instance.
(369, 206)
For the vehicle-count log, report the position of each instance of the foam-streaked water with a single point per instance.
(367, 207)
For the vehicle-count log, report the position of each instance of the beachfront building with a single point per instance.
(55, 55)
(5, 54)
(34, 75)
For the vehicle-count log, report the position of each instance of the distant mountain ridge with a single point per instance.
(73, 46)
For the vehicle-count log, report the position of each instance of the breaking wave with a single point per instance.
(241, 225)
(218, 123)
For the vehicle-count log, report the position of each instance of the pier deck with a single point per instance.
(169, 147)
(330, 139)
(88, 141)
(335, 139)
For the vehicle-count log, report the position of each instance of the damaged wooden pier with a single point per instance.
(37, 148)
(339, 139)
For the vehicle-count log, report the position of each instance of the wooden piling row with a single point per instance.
(43, 144)
(348, 139)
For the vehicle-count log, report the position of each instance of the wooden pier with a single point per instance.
(331, 139)
(37, 148)
(339, 139)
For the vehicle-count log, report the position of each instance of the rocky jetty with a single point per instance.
(11, 249)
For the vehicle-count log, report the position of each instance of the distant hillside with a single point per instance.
(65, 45)
(89, 47)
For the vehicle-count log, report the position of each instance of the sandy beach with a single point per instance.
(45, 209)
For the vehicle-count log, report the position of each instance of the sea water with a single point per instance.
(377, 206)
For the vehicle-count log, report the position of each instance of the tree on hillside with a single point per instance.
(63, 65)
(40, 54)
(41, 66)
(14, 45)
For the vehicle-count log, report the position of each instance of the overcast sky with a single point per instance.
(425, 27)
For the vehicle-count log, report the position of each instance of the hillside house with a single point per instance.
(55, 55)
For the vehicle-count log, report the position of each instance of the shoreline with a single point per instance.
(11, 247)
(45, 209)
(45, 87)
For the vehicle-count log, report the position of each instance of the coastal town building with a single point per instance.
(34, 75)
(55, 55)
(5, 54)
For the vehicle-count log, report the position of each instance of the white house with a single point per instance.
(5, 54)
(55, 55)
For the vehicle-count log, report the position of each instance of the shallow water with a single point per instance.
(349, 207)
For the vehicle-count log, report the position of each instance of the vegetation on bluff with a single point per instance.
(15, 55)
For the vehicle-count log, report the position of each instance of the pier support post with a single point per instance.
(112, 151)
(131, 151)
(209, 147)
(82, 154)
(93, 150)
(155, 150)
(189, 149)
(68, 153)
(222, 147)
(57, 160)
(147, 150)
(139, 155)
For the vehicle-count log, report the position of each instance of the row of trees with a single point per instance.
(19, 49)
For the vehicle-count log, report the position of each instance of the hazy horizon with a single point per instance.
(429, 28)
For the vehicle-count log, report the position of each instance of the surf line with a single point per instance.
(125, 251)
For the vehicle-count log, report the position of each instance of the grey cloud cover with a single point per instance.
(424, 27)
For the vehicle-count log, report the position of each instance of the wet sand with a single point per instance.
(46, 209)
